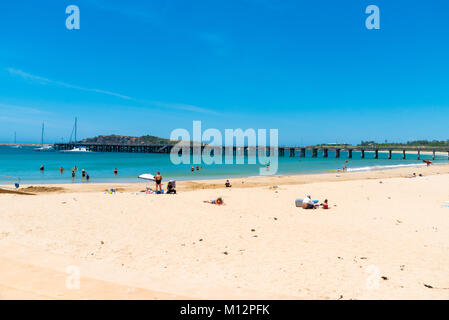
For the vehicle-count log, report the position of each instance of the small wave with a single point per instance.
(386, 167)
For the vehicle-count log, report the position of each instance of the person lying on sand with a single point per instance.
(412, 175)
(307, 203)
(218, 202)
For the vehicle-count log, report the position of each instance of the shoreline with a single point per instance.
(240, 182)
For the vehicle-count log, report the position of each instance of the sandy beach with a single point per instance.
(386, 236)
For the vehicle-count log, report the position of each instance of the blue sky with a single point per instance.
(308, 68)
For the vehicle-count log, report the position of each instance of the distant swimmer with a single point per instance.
(73, 173)
(197, 168)
(192, 169)
(83, 173)
(42, 168)
(75, 169)
(87, 178)
(61, 170)
(115, 171)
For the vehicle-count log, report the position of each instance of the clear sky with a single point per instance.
(308, 68)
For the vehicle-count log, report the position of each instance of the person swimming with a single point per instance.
(42, 168)
(115, 171)
(61, 170)
(83, 173)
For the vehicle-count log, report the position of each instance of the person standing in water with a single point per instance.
(83, 173)
(42, 168)
(61, 170)
(115, 171)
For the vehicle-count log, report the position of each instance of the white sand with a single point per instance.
(176, 246)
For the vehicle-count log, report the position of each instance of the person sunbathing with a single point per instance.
(218, 202)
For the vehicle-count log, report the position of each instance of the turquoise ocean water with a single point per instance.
(24, 163)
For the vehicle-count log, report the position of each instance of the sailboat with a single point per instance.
(15, 146)
(42, 147)
(75, 148)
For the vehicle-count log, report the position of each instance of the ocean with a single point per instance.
(24, 163)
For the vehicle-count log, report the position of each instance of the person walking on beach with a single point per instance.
(158, 179)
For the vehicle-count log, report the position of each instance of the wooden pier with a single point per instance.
(316, 152)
